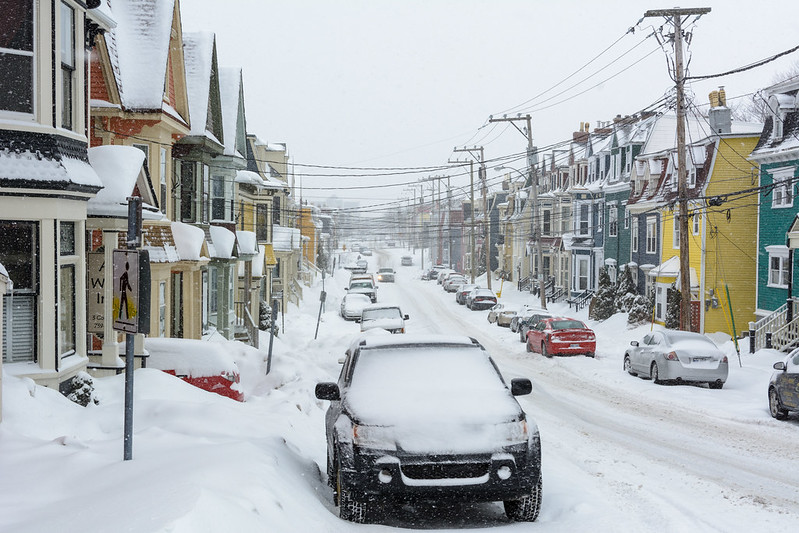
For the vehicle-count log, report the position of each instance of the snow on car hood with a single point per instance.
(442, 400)
(385, 323)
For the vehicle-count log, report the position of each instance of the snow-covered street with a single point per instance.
(619, 453)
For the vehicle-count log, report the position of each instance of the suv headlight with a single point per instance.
(381, 437)
(512, 432)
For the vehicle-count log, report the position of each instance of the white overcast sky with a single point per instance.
(378, 83)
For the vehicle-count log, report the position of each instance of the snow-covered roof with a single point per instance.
(28, 166)
(248, 244)
(139, 46)
(663, 133)
(285, 239)
(118, 167)
(229, 92)
(253, 178)
(198, 52)
(222, 242)
(188, 241)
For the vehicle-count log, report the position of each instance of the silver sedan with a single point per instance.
(680, 356)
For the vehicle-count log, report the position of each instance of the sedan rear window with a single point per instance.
(567, 324)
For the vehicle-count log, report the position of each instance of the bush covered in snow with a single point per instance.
(626, 292)
(265, 318)
(641, 310)
(673, 298)
(603, 304)
(82, 390)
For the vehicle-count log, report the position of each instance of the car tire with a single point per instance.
(628, 366)
(544, 350)
(528, 347)
(716, 384)
(526, 508)
(349, 509)
(654, 374)
(774, 405)
(590, 354)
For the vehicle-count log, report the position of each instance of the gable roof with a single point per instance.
(231, 95)
(202, 82)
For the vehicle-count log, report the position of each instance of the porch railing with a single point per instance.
(245, 324)
(775, 326)
(581, 300)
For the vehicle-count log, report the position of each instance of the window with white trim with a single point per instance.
(778, 266)
(692, 177)
(68, 70)
(676, 231)
(613, 220)
(697, 221)
(582, 272)
(600, 216)
(634, 233)
(782, 192)
(626, 220)
(547, 215)
(17, 57)
(651, 235)
(584, 219)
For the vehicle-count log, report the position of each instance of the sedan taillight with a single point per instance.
(672, 356)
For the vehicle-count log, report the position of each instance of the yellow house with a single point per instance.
(722, 226)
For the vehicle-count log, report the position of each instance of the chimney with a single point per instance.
(719, 116)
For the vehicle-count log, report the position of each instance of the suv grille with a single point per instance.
(445, 470)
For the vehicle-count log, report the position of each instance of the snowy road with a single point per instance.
(620, 455)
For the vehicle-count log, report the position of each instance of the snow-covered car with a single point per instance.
(406, 260)
(353, 304)
(481, 299)
(463, 291)
(387, 317)
(361, 266)
(673, 355)
(783, 388)
(366, 251)
(529, 322)
(525, 312)
(561, 336)
(204, 364)
(363, 286)
(442, 274)
(502, 314)
(386, 275)
(452, 283)
(406, 423)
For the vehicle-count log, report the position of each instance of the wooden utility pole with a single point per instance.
(472, 263)
(535, 224)
(675, 17)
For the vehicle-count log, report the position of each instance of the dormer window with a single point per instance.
(16, 57)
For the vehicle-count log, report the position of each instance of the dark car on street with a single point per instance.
(428, 418)
(783, 388)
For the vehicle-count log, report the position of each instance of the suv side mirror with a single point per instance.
(633, 343)
(357, 320)
(521, 386)
(780, 365)
(327, 391)
(406, 317)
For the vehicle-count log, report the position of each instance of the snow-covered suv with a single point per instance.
(428, 418)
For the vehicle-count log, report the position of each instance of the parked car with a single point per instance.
(385, 275)
(352, 304)
(529, 322)
(406, 260)
(463, 291)
(502, 314)
(388, 317)
(361, 266)
(681, 356)
(206, 365)
(522, 314)
(561, 336)
(783, 388)
(452, 283)
(428, 418)
(481, 299)
(363, 286)
(443, 273)
(366, 251)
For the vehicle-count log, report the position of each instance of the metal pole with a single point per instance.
(271, 336)
(536, 213)
(133, 240)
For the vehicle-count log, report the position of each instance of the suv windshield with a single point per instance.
(386, 312)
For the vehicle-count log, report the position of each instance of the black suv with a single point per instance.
(428, 418)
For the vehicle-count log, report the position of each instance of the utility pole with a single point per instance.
(536, 231)
(487, 240)
(675, 16)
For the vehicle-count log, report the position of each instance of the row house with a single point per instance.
(46, 182)
(514, 230)
(777, 155)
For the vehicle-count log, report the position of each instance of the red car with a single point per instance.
(206, 365)
(561, 336)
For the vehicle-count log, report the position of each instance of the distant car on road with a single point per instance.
(386, 275)
(428, 418)
(406, 260)
(783, 388)
(561, 336)
(353, 304)
(366, 251)
(481, 299)
(681, 356)
(361, 266)
(388, 317)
